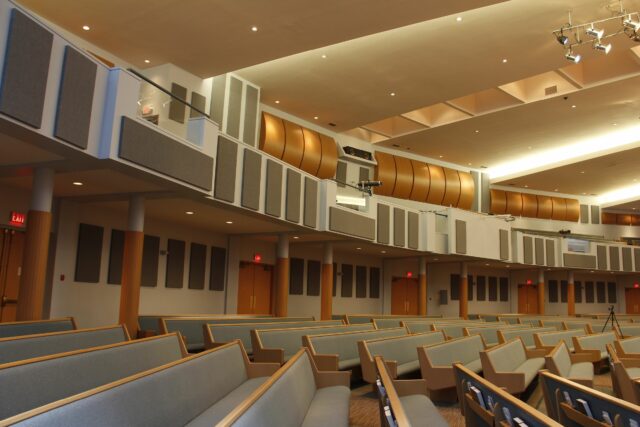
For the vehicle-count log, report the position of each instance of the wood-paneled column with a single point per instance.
(326, 286)
(36, 247)
(282, 276)
(464, 291)
(132, 266)
(571, 294)
(541, 291)
(422, 287)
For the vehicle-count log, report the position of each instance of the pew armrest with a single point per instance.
(269, 355)
(409, 387)
(257, 369)
(392, 367)
(585, 356)
(537, 352)
(333, 378)
(326, 362)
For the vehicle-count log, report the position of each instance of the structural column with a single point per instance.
(422, 287)
(36, 247)
(464, 291)
(326, 287)
(571, 295)
(541, 291)
(132, 266)
(282, 276)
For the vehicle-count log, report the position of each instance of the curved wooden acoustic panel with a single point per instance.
(635, 219)
(498, 202)
(421, 181)
(529, 205)
(573, 210)
(272, 135)
(559, 208)
(514, 203)
(451, 187)
(404, 178)
(623, 219)
(545, 207)
(385, 173)
(329, 160)
(467, 190)
(294, 144)
(312, 152)
(609, 218)
(437, 187)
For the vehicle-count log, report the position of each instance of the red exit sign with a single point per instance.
(17, 219)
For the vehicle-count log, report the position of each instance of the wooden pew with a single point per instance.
(511, 365)
(29, 346)
(149, 324)
(30, 327)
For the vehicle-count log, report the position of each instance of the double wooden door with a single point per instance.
(404, 296)
(632, 298)
(11, 247)
(528, 299)
(255, 282)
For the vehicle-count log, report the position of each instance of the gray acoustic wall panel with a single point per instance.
(413, 230)
(216, 110)
(174, 276)
(352, 224)
(550, 253)
(527, 249)
(310, 203)
(197, 265)
(250, 115)
(75, 100)
(341, 173)
(614, 258)
(294, 186)
(504, 244)
(147, 147)
(461, 237)
(595, 214)
(384, 222)
(251, 181)
(150, 254)
(579, 261)
(234, 109)
(601, 252)
(399, 227)
(627, 264)
(226, 170)
(636, 258)
(177, 108)
(539, 243)
(477, 183)
(485, 193)
(584, 214)
(363, 174)
(26, 68)
(89, 253)
(273, 194)
(198, 101)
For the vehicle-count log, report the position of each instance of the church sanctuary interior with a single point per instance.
(285, 213)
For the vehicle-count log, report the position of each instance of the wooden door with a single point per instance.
(262, 284)
(398, 296)
(528, 299)
(412, 296)
(11, 248)
(245, 288)
(632, 298)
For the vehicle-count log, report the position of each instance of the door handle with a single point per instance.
(6, 301)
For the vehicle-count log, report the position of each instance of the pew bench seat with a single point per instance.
(511, 365)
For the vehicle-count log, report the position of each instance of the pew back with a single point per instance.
(151, 322)
(30, 327)
(550, 339)
(526, 335)
(489, 334)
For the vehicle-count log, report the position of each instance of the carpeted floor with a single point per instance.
(364, 411)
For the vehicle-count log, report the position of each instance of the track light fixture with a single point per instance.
(573, 35)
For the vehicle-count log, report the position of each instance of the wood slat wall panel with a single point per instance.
(573, 210)
(558, 208)
(467, 190)
(514, 203)
(452, 187)
(529, 205)
(294, 144)
(436, 190)
(609, 218)
(312, 152)
(404, 178)
(386, 173)
(421, 181)
(498, 202)
(544, 207)
(623, 219)
(329, 161)
(272, 135)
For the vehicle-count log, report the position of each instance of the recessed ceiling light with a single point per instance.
(383, 252)
(555, 189)
(582, 172)
(441, 156)
(228, 222)
(573, 106)
(504, 60)
(614, 124)
(254, 28)
(508, 266)
(146, 61)
(529, 148)
(189, 212)
(477, 131)
(584, 194)
(526, 186)
(633, 209)
(392, 94)
(78, 183)
(277, 101)
(469, 164)
(315, 117)
(487, 265)
(296, 237)
(86, 27)
(323, 56)
(459, 19)
(358, 249)
(435, 259)
(591, 271)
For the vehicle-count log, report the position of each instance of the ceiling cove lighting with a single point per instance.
(621, 194)
(586, 147)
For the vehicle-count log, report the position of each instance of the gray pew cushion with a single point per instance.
(530, 368)
(328, 400)
(407, 368)
(474, 366)
(582, 370)
(421, 411)
(348, 364)
(30, 328)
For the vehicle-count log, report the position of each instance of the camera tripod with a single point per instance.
(611, 318)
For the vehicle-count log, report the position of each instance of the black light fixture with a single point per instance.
(562, 39)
